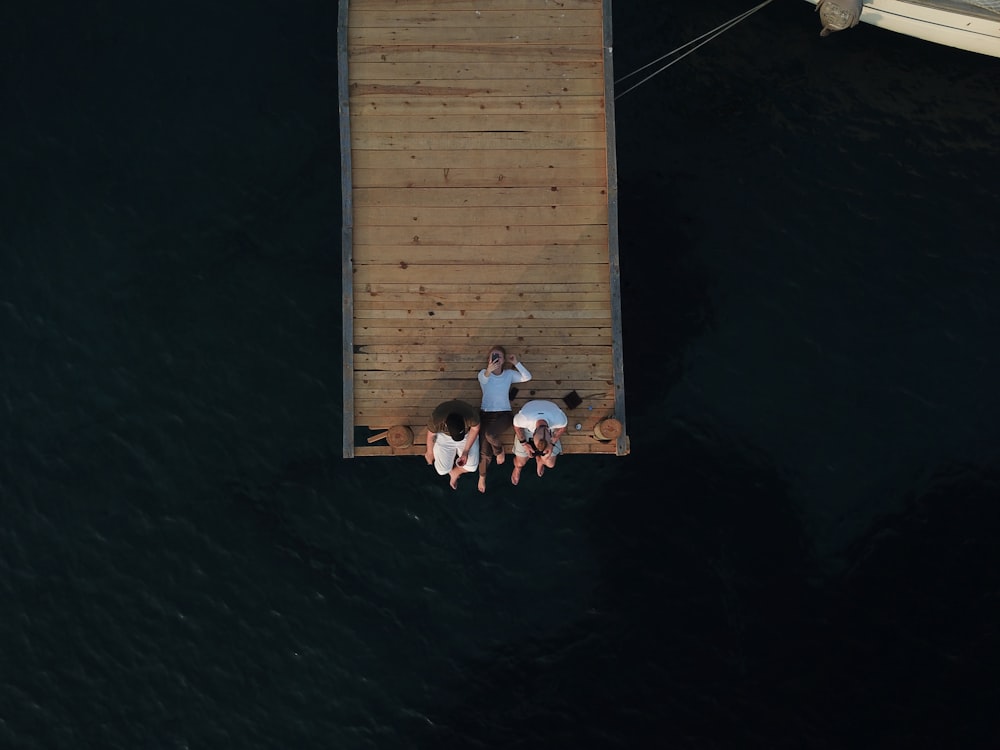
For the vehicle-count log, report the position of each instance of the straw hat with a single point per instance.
(400, 436)
(608, 429)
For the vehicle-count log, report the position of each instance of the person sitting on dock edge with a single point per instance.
(537, 429)
(452, 439)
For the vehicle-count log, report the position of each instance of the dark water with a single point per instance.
(799, 552)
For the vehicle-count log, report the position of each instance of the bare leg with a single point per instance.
(496, 425)
(494, 447)
(519, 463)
(483, 463)
(548, 462)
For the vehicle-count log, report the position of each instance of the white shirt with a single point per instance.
(496, 388)
(533, 411)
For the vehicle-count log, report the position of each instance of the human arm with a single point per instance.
(521, 369)
(558, 422)
(521, 435)
(429, 453)
(470, 439)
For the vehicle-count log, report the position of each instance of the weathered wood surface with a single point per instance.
(480, 191)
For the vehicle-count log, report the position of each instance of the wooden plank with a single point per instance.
(387, 105)
(483, 235)
(397, 406)
(419, 253)
(429, 22)
(366, 329)
(415, 415)
(469, 52)
(346, 232)
(373, 390)
(428, 274)
(394, 411)
(477, 122)
(463, 355)
(490, 255)
(416, 218)
(450, 175)
(522, 35)
(433, 300)
(482, 336)
(506, 160)
(581, 381)
(582, 374)
(444, 319)
(494, 196)
(564, 377)
(377, 399)
(525, 289)
(509, 5)
(487, 140)
(622, 442)
(478, 70)
(597, 368)
(505, 87)
(453, 349)
(480, 340)
(590, 371)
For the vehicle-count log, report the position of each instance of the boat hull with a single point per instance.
(969, 29)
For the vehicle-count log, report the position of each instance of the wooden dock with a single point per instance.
(479, 208)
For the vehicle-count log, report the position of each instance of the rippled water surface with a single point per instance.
(799, 551)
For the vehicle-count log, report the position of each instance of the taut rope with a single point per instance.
(707, 37)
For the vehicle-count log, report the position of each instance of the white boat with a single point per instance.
(972, 25)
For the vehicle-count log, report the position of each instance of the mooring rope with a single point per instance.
(722, 28)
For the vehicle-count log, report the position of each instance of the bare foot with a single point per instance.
(482, 484)
(515, 476)
(455, 474)
(541, 469)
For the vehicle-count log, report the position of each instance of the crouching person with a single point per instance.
(453, 440)
(537, 429)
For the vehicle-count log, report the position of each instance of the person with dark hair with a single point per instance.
(452, 439)
(537, 429)
(501, 372)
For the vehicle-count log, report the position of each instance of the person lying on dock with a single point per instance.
(452, 439)
(496, 416)
(537, 429)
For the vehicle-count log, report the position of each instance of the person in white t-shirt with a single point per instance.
(453, 440)
(496, 416)
(537, 429)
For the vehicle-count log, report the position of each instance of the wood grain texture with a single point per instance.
(480, 211)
